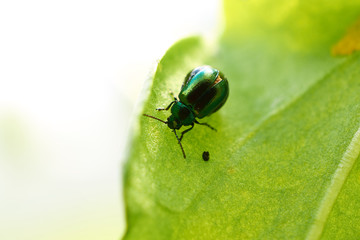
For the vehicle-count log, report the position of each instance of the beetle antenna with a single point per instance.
(180, 144)
(154, 118)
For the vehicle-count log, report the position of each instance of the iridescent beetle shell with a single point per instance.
(205, 90)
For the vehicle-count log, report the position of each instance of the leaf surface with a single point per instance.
(284, 161)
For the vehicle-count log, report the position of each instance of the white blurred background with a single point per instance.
(70, 75)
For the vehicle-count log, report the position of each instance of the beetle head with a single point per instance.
(173, 122)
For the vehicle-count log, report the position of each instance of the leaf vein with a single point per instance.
(346, 164)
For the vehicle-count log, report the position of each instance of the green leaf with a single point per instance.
(284, 163)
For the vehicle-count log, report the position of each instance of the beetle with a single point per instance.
(203, 92)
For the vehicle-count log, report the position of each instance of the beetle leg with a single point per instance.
(173, 96)
(183, 132)
(167, 108)
(205, 124)
(179, 142)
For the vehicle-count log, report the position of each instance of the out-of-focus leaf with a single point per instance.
(283, 163)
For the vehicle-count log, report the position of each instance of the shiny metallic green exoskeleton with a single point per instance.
(204, 91)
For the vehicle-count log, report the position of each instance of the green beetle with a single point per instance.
(204, 91)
